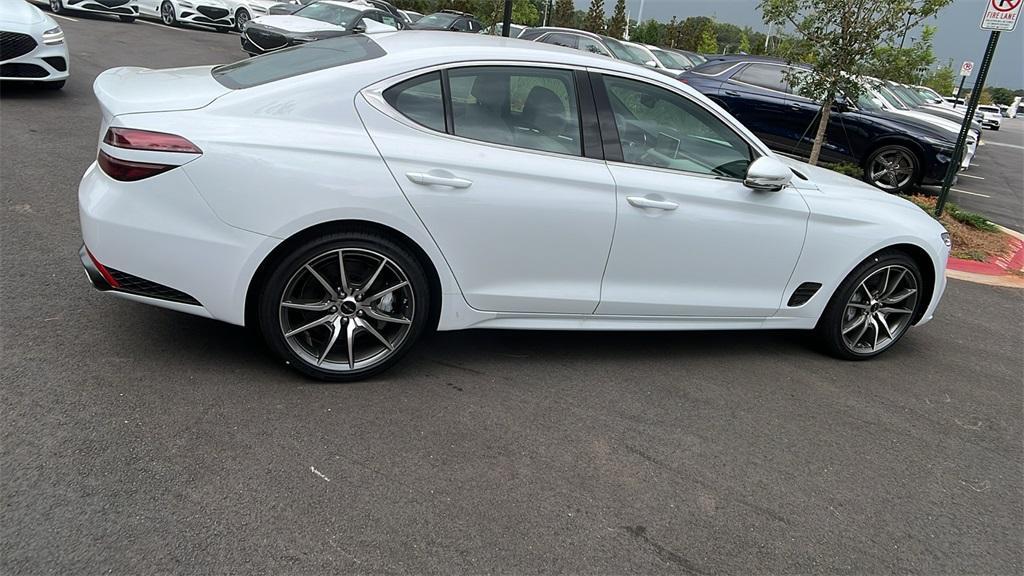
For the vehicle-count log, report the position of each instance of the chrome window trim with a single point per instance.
(374, 96)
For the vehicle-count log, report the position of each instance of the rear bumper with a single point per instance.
(156, 241)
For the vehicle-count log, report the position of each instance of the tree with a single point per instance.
(563, 14)
(841, 38)
(671, 35)
(594, 21)
(617, 25)
(986, 96)
(942, 80)
(1002, 96)
(690, 31)
(708, 42)
(744, 43)
(649, 32)
(904, 65)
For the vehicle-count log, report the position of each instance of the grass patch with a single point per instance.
(974, 237)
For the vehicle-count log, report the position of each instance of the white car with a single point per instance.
(670, 62)
(214, 13)
(125, 10)
(466, 181)
(245, 10)
(32, 47)
(989, 116)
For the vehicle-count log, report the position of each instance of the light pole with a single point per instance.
(506, 22)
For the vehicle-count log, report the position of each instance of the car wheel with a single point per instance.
(53, 85)
(167, 15)
(56, 7)
(892, 168)
(127, 19)
(873, 308)
(344, 306)
(241, 18)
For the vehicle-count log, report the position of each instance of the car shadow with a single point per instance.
(27, 89)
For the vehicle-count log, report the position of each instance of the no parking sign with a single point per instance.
(1001, 15)
(967, 68)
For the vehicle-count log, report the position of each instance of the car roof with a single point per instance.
(570, 30)
(352, 5)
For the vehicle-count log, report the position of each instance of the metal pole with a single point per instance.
(640, 14)
(972, 105)
(506, 23)
(959, 90)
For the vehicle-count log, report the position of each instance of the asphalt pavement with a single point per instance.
(137, 440)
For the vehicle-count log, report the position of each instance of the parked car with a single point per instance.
(874, 89)
(316, 21)
(454, 181)
(514, 30)
(125, 10)
(896, 153)
(671, 63)
(411, 16)
(246, 10)
(450, 20)
(213, 13)
(592, 43)
(990, 116)
(292, 6)
(32, 47)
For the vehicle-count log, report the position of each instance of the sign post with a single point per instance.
(506, 23)
(1000, 16)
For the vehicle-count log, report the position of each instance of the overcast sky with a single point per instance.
(958, 36)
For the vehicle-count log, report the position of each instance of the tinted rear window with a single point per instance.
(296, 61)
(714, 69)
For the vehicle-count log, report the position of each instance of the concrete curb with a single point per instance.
(1000, 272)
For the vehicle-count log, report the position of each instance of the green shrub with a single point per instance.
(847, 169)
(970, 218)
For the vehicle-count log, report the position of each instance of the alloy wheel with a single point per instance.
(167, 13)
(879, 310)
(240, 19)
(55, 6)
(347, 309)
(891, 170)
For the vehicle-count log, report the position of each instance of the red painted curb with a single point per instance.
(996, 266)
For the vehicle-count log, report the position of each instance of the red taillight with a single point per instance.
(145, 140)
(127, 171)
(103, 271)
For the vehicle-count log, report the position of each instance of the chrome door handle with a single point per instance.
(641, 202)
(438, 178)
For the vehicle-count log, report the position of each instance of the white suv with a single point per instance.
(989, 116)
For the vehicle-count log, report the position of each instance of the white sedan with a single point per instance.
(526, 187)
(32, 47)
(214, 13)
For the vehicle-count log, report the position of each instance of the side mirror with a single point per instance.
(767, 174)
(359, 28)
(651, 64)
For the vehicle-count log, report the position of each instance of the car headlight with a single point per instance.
(53, 36)
(942, 145)
(947, 240)
(304, 39)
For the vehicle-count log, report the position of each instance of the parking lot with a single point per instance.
(140, 440)
(994, 185)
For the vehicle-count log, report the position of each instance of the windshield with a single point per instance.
(908, 96)
(436, 21)
(867, 102)
(929, 94)
(621, 51)
(669, 60)
(330, 13)
(891, 98)
(697, 58)
(640, 56)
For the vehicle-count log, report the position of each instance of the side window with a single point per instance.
(461, 25)
(388, 19)
(764, 76)
(559, 39)
(419, 99)
(592, 46)
(658, 127)
(531, 108)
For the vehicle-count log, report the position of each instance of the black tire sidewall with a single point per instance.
(829, 327)
(56, 7)
(914, 177)
(174, 15)
(285, 267)
(238, 26)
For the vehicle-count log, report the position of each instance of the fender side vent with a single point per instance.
(803, 293)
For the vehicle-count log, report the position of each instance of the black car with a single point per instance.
(450, 20)
(895, 152)
(319, 20)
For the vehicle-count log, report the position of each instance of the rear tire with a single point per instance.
(873, 308)
(341, 328)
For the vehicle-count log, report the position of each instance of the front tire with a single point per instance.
(167, 14)
(344, 306)
(892, 168)
(241, 18)
(873, 308)
(57, 7)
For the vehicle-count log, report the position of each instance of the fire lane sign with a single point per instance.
(1001, 15)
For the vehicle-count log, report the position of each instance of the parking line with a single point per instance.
(969, 176)
(62, 17)
(970, 193)
(1007, 145)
